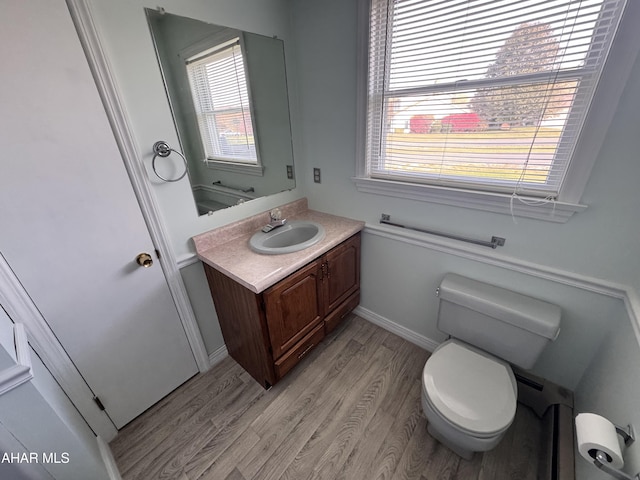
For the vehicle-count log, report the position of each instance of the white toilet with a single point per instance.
(469, 392)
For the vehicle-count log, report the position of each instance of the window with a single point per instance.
(221, 100)
(484, 96)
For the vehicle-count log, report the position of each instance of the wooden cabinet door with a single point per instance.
(294, 307)
(341, 271)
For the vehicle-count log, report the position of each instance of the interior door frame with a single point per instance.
(16, 299)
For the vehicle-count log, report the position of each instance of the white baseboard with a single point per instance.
(218, 355)
(403, 332)
(108, 460)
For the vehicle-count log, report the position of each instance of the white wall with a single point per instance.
(202, 304)
(399, 282)
(599, 245)
(611, 388)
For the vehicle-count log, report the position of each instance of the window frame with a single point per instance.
(618, 66)
(211, 41)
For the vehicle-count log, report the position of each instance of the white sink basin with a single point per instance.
(291, 237)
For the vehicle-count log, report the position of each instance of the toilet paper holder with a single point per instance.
(627, 434)
(601, 459)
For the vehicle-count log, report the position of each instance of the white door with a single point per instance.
(70, 225)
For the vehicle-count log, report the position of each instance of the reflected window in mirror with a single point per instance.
(221, 100)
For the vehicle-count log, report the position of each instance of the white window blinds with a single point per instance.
(483, 94)
(221, 101)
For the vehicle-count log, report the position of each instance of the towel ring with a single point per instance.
(162, 149)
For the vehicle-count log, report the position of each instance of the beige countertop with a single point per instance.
(227, 248)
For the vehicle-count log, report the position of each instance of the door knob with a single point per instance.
(144, 260)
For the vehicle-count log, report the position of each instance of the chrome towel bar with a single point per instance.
(493, 243)
(243, 190)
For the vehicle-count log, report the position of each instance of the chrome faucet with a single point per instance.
(276, 220)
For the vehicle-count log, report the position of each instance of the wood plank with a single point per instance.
(415, 458)
(219, 458)
(226, 427)
(281, 423)
(382, 391)
(275, 408)
(389, 454)
(174, 409)
(351, 410)
(441, 463)
(322, 366)
(364, 452)
(408, 363)
(235, 475)
(200, 426)
(341, 434)
(296, 453)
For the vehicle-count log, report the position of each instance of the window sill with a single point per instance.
(558, 212)
(257, 170)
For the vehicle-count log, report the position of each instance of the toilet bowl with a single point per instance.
(469, 391)
(469, 398)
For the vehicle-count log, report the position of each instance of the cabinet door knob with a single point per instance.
(324, 270)
(144, 260)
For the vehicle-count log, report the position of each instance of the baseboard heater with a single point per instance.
(554, 405)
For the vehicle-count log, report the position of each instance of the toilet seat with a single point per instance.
(470, 389)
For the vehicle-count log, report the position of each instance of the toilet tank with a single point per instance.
(507, 324)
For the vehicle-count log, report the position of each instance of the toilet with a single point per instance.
(469, 391)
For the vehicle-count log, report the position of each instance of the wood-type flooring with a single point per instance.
(349, 411)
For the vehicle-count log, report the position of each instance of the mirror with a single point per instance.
(227, 91)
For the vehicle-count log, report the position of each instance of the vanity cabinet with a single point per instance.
(268, 333)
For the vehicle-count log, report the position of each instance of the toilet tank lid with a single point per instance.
(531, 314)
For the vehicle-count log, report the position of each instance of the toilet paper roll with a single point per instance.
(597, 433)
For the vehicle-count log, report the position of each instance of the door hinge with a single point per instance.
(99, 403)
